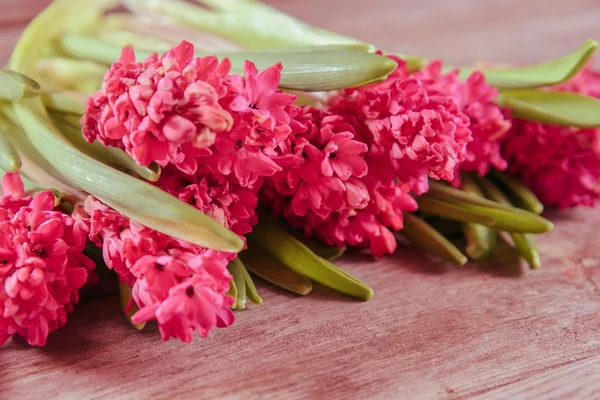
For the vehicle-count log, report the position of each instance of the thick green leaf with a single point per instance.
(34, 167)
(264, 265)
(251, 291)
(254, 25)
(420, 232)
(548, 73)
(524, 242)
(318, 70)
(433, 206)
(481, 240)
(233, 293)
(446, 193)
(515, 220)
(129, 307)
(493, 192)
(14, 86)
(139, 41)
(10, 161)
(108, 155)
(134, 198)
(319, 248)
(240, 284)
(67, 102)
(520, 194)
(509, 221)
(67, 73)
(525, 246)
(60, 16)
(296, 256)
(557, 108)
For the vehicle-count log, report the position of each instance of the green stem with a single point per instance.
(264, 265)
(251, 291)
(524, 243)
(240, 284)
(520, 194)
(318, 70)
(481, 240)
(423, 234)
(296, 256)
(433, 206)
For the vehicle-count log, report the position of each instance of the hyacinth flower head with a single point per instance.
(488, 122)
(42, 266)
(164, 109)
(348, 170)
(417, 134)
(561, 164)
(182, 286)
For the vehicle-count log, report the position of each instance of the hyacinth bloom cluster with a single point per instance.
(41, 263)
(164, 109)
(487, 121)
(419, 133)
(348, 170)
(180, 285)
(560, 164)
(214, 133)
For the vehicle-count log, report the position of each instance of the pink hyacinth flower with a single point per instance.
(41, 264)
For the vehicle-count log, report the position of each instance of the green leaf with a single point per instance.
(40, 172)
(66, 73)
(251, 291)
(129, 307)
(233, 293)
(548, 73)
(525, 246)
(524, 243)
(424, 235)
(296, 256)
(492, 191)
(481, 240)
(14, 86)
(446, 193)
(10, 161)
(254, 25)
(556, 108)
(64, 101)
(59, 17)
(433, 206)
(136, 199)
(320, 69)
(515, 220)
(123, 38)
(510, 221)
(321, 249)
(108, 155)
(264, 265)
(240, 284)
(520, 194)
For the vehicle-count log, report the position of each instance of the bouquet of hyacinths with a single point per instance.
(199, 147)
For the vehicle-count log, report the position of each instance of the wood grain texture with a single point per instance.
(433, 331)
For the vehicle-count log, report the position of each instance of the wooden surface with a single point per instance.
(432, 331)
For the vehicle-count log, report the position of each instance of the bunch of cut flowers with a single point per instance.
(198, 146)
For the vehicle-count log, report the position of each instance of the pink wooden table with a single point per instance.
(432, 330)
